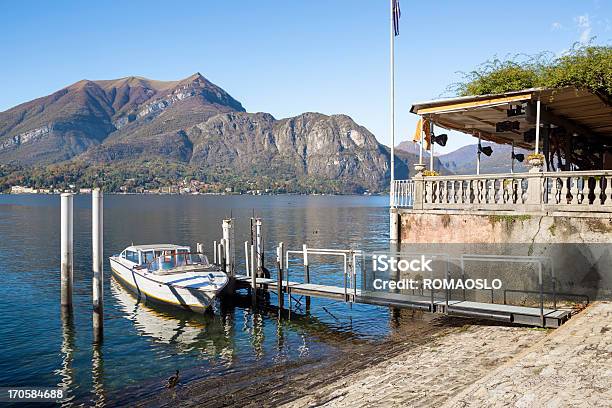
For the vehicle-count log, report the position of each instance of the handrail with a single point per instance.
(346, 255)
(517, 259)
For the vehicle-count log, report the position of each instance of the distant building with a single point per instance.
(85, 191)
(23, 190)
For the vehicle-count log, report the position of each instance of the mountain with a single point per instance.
(463, 160)
(72, 120)
(129, 123)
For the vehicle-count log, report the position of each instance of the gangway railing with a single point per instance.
(445, 299)
(518, 259)
(349, 260)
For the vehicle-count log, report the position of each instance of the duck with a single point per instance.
(173, 380)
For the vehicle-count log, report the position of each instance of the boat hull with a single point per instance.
(186, 298)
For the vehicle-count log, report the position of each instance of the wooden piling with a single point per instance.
(66, 251)
(97, 243)
(279, 284)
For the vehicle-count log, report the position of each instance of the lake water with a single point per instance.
(144, 344)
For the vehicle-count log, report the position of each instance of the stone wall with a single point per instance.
(578, 247)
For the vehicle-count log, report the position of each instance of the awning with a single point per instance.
(504, 118)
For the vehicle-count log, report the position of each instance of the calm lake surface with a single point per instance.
(144, 344)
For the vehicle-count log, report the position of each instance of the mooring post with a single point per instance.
(221, 256)
(306, 274)
(97, 236)
(226, 226)
(214, 252)
(246, 258)
(66, 249)
(259, 247)
(253, 274)
(306, 267)
(279, 284)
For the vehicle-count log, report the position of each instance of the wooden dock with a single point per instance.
(533, 316)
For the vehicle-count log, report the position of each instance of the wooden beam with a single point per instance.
(550, 118)
(474, 104)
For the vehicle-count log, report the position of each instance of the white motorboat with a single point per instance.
(169, 274)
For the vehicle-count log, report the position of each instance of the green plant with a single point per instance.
(535, 156)
(583, 66)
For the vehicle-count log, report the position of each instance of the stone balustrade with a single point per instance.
(534, 191)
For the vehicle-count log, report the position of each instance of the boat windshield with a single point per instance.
(171, 259)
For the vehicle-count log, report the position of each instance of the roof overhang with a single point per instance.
(578, 111)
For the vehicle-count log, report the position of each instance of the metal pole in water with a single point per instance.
(253, 275)
(279, 284)
(97, 243)
(246, 258)
(259, 247)
(66, 251)
(227, 224)
(221, 253)
(215, 252)
(306, 275)
(306, 267)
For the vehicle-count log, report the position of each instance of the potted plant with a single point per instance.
(535, 159)
(419, 167)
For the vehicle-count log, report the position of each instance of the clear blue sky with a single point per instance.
(284, 57)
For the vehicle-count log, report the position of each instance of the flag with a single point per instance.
(423, 126)
(396, 16)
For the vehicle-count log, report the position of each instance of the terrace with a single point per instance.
(570, 171)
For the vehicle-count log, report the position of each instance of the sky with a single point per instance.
(286, 57)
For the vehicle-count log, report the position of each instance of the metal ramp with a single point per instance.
(534, 316)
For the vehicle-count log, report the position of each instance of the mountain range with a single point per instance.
(155, 133)
(126, 122)
(463, 160)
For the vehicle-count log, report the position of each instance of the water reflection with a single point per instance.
(66, 371)
(186, 331)
(97, 375)
(144, 344)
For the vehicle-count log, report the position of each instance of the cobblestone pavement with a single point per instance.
(481, 366)
(427, 375)
(572, 367)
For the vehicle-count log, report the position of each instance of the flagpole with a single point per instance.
(392, 72)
